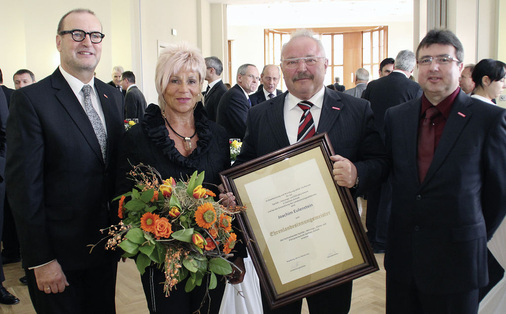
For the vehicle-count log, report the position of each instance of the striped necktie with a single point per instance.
(306, 123)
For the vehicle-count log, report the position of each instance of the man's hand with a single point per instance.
(50, 278)
(345, 172)
(237, 275)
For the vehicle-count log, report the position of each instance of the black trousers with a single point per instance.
(405, 298)
(336, 300)
(179, 301)
(90, 291)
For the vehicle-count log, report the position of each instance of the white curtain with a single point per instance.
(243, 298)
(495, 301)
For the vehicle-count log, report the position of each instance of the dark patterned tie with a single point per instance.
(427, 142)
(249, 101)
(271, 96)
(96, 123)
(306, 123)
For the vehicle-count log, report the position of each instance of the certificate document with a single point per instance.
(300, 226)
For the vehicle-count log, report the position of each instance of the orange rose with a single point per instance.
(163, 228)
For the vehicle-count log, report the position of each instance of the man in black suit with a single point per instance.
(383, 93)
(62, 135)
(215, 86)
(386, 67)
(349, 123)
(448, 179)
(117, 72)
(5, 296)
(267, 90)
(135, 103)
(336, 86)
(7, 91)
(235, 103)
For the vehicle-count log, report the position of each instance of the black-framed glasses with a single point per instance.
(441, 60)
(79, 35)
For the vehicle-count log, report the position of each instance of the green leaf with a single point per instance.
(142, 262)
(174, 201)
(119, 196)
(147, 195)
(219, 266)
(151, 209)
(213, 281)
(136, 194)
(190, 283)
(158, 255)
(129, 247)
(135, 205)
(198, 278)
(200, 178)
(191, 264)
(191, 183)
(184, 235)
(182, 274)
(147, 249)
(135, 235)
(128, 255)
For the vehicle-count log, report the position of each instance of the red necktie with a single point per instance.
(426, 142)
(306, 123)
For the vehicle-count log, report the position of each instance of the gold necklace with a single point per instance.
(187, 141)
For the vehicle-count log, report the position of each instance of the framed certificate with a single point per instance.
(302, 230)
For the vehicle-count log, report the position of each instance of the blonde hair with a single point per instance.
(173, 59)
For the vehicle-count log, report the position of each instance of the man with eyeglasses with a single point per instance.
(448, 178)
(360, 161)
(234, 105)
(267, 90)
(63, 133)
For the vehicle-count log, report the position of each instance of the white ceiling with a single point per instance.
(305, 13)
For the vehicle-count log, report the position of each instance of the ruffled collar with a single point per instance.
(154, 127)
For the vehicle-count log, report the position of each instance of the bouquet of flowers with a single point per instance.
(129, 123)
(235, 148)
(175, 225)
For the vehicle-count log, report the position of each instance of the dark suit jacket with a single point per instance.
(59, 186)
(389, 91)
(212, 99)
(259, 96)
(8, 93)
(439, 228)
(337, 87)
(232, 112)
(4, 112)
(135, 104)
(348, 122)
(114, 85)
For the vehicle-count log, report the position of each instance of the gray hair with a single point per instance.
(118, 68)
(405, 60)
(362, 75)
(243, 68)
(305, 33)
(215, 63)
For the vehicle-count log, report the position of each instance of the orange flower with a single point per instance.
(230, 243)
(163, 228)
(210, 244)
(155, 197)
(214, 233)
(148, 222)
(210, 193)
(174, 212)
(199, 192)
(226, 222)
(120, 207)
(205, 216)
(198, 240)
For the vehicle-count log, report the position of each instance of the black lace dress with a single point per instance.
(148, 142)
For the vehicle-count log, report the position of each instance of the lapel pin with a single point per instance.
(461, 114)
(106, 96)
(336, 108)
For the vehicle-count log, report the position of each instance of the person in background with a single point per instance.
(489, 78)
(23, 78)
(267, 90)
(386, 67)
(215, 87)
(135, 103)
(361, 79)
(466, 80)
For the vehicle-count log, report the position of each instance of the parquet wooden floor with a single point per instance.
(368, 291)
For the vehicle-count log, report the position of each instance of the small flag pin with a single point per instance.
(461, 114)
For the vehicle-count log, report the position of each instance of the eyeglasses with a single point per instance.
(251, 76)
(441, 60)
(79, 35)
(294, 62)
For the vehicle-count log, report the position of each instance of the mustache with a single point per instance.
(303, 75)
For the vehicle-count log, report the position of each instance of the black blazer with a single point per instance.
(259, 96)
(348, 122)
(59, 185)
(212, 99)
(232, 112)
(135, 104)
(8, 93)
(389, 91)
(439, 228)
